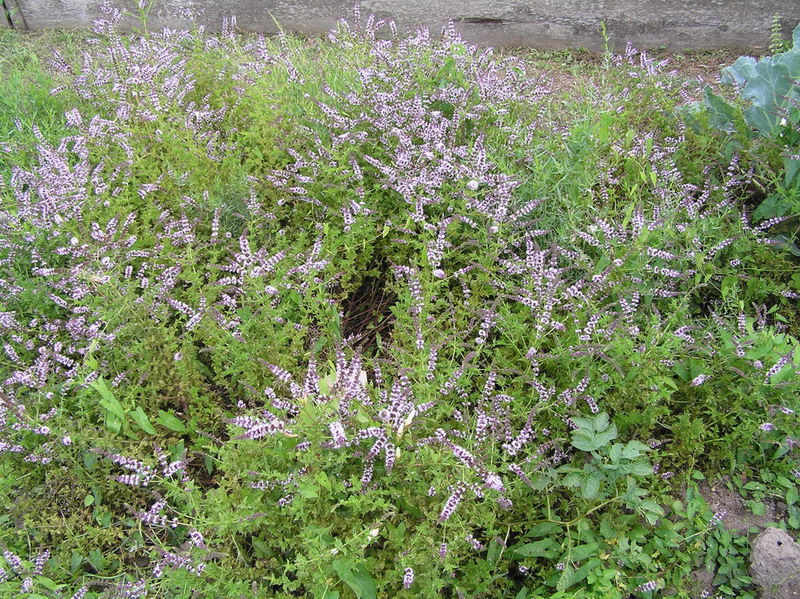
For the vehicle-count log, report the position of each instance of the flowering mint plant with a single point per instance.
(371, 319)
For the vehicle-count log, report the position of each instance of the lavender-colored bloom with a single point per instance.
(338, 434)
(647, 587)
(476, 544)
(408, 578)
(717, 518)
(81, 593)
(13, 561)
(783, 361)
(452, 503)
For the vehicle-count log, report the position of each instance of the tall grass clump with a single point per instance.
(376, 316)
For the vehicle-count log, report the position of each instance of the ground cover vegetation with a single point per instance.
(387, 315)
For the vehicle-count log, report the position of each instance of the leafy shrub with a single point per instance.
(352, 321)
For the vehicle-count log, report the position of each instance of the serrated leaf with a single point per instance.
(48, 583)
(494, 551)
(601, 422)
(327, 383)
(171, 422)
(544, 548)
(113, 423)
(567, 578)
(792, 168)
(142, 421)
(605, 437)
(75, 561)
(641, 469)
(581, 552)
(633, 449)
(358, 580)
(308, 491)
(754, 486)
(543, 529)
(261, 547)
(583, 424)
(586, 441)
(648, 505)
(590, 486)
(107, 399)
(777, 204)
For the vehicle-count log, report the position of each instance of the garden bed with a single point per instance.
(389, 315)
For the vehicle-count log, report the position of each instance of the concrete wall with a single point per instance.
(545, 24)
(3, 19)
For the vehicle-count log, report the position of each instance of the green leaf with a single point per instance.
(792, 168)
(329, 594)
(48, 584)
(601, 422)
(262, 549)
(775, 205)
(567, 578)
(308, 491)
(88, 500)
(543, 529)
(544, 548)
(721, 115)
(107, 399)
(585, 424)
(493, 551)
(590, 486)
(97, 560)
(606, 436)
(641, 469)
(581, 552)
(169, 421)
(142, 421)
(754, 486)
(634, 449)
(585, 442)
(75, 561)
(113, 423)
(648, 505)
(769, 85)
(359, 580)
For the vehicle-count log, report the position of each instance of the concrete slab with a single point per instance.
(545, 24)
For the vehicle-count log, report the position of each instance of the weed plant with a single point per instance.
(380, 315)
